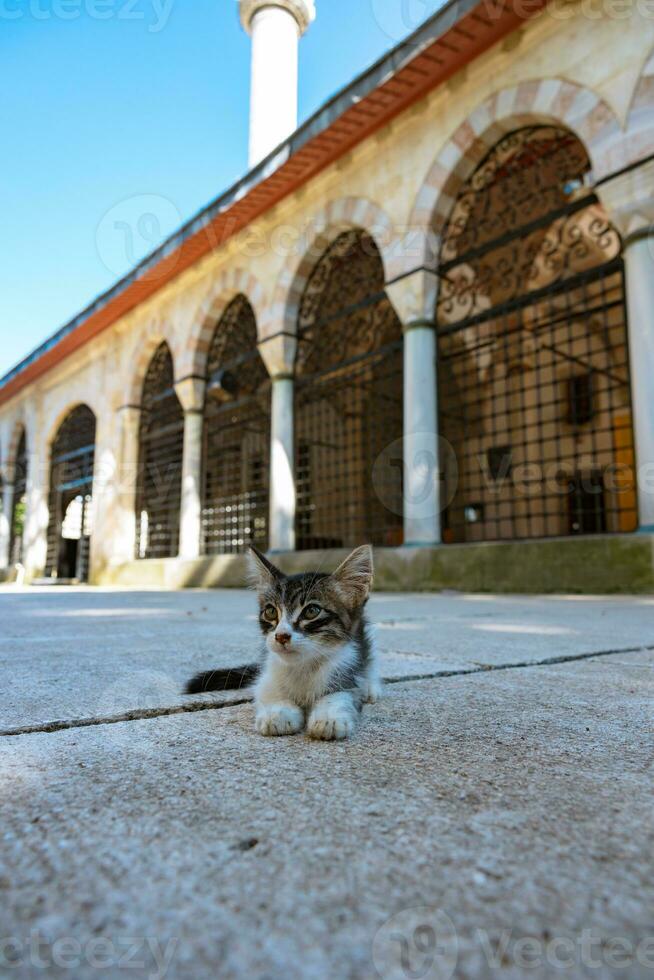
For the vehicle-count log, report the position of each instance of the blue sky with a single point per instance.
(108, 105)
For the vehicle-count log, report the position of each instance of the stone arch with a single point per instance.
(70, 491)
(336, 217)
(639, 136)
(531, 321)
(581, 110)
(140, 356)
(18, 429)
(230, 284)
(62, 410)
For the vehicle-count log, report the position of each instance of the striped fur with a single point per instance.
(318, 662)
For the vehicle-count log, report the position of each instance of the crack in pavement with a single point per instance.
(144, 714)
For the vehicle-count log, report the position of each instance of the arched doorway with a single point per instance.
(348, 406)
(236, 437)
(71, 496)
(161, 445)
(19, 504)
(533, 366)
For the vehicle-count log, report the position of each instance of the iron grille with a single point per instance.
(70, 498)
(236, 437)
(348, 404)
(161, 445)
(19, 504)
(533, 365)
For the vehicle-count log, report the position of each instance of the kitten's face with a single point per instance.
(309, 617)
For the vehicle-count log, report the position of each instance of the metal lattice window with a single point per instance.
(348, 405)
(19, 503)
(161, 445)
(533, 366)
(236, 437)
(70, 498)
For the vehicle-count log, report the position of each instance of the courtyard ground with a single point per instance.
(492, 817)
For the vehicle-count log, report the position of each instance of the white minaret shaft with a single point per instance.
(276, 27)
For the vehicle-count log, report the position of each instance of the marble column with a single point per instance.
(414, 299)
(630, 204)
(5, 520)
(278, 353)
(191, 392)
(124, 547)
(37, 515)
(639, 274)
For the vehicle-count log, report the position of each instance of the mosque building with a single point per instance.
(423, 319)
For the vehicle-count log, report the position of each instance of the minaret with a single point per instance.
(276, 27)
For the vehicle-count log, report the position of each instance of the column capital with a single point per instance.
(629, 202)
(304, 11)
(414, 298)
(191, 391)
(278, 354)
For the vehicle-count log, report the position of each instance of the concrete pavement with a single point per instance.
(493, 822)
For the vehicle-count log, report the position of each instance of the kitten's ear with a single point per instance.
(261, 572)
(354, 576)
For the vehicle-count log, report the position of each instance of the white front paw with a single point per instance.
(371, 690)
(279, 719)
(330, 724)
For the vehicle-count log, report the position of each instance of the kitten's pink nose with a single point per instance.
(283, 638)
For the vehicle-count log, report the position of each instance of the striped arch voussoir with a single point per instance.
(321, 230)
(544, 100)
(146, 344)
(639, 138)
(217, 298)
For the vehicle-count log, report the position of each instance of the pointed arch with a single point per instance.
(19, 462)
(236, 443)
(348, 400)
(344, 214)
(540, 101)
(640, 121)
(141, 356)
(72, 460)
(533, 383)
(227, 287)
(161, 446)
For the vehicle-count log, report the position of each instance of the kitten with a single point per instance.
(319, 663)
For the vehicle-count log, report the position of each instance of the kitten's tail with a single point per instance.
(229, 679)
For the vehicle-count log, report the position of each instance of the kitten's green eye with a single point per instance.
(311, 612)
(270, 613)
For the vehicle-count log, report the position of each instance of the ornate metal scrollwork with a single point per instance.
(532, 349)
(236, 436)
(524, 221)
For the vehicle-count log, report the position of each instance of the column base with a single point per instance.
(421, 544)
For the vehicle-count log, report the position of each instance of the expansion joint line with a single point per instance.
(195, 706)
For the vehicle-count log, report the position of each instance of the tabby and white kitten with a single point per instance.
(319, 664)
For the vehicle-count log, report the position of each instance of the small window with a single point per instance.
(580, 399)
(500, 462)
(586, 504)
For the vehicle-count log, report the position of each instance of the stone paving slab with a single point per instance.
(95, 653)
(479, 823)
